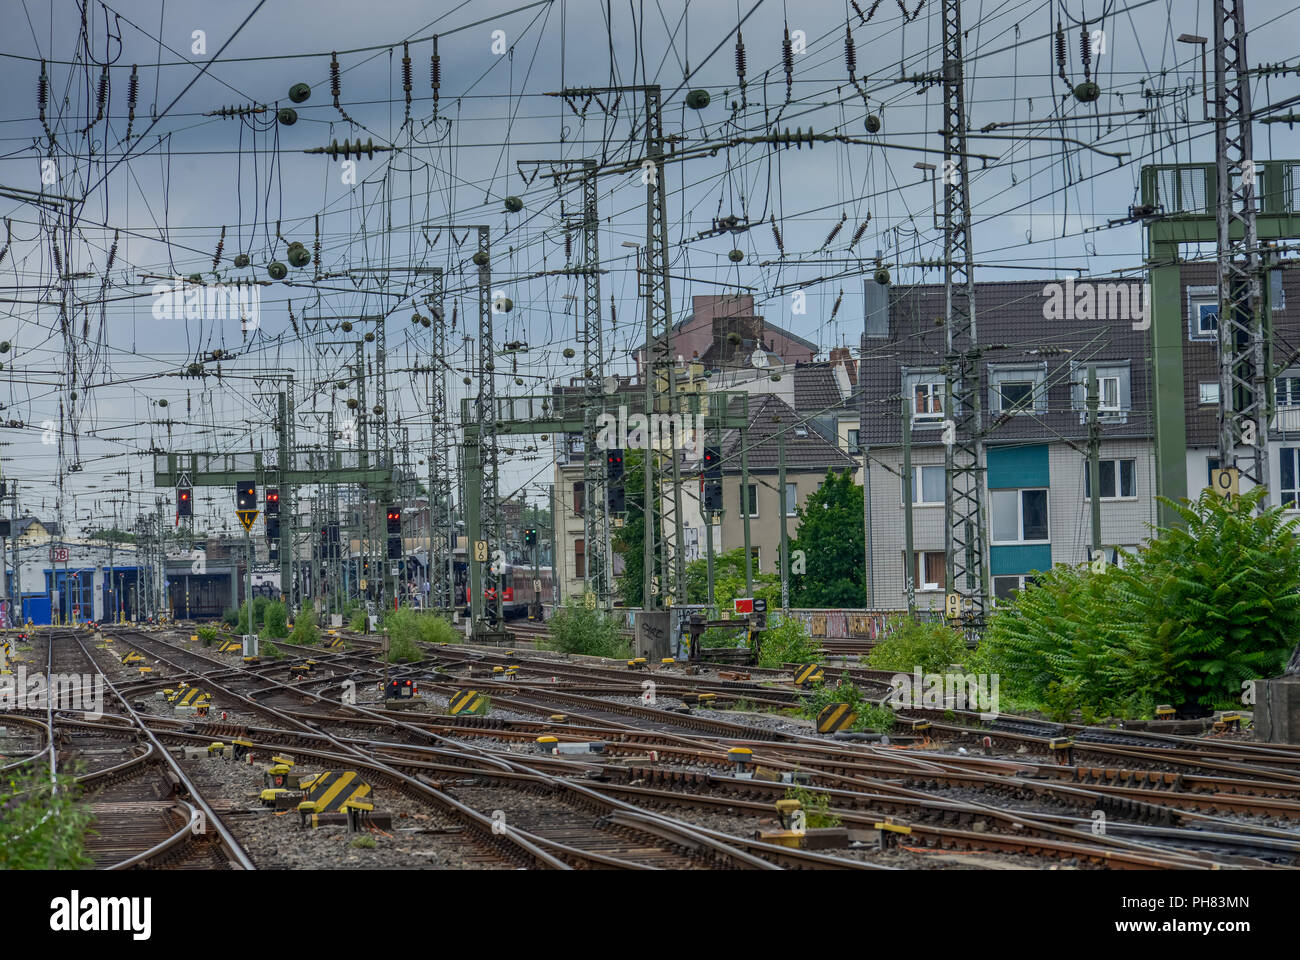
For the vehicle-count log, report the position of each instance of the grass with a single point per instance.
(42, 830)
(266, 648)
(363, 843)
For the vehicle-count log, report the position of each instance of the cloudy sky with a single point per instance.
(99, 346)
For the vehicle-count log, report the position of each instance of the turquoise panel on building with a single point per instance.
(1018, 466)
(1014, 560)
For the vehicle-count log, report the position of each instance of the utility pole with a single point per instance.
(785, 530)
(441, 525)
(1244, 409)
(1094, 462)
(964, 457)
(909, 567)
(558, 588)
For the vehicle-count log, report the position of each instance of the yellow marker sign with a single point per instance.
(589, 600)
(480, 551)
(246, 517)
(1226, 483)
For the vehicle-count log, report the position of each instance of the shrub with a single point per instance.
(207, 635)
(357, 623)
(42, 829)
(305, 630)
(911, 645)
(411, 628)
(786, 640)
(275, 620)
(575, 629)
(230, 617)
(1207, 606)
(265, 648)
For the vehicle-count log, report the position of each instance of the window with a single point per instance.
(1118, 479)
(1287, 391)
(1018, 388)
(931, 570)
(1289, 488)
(579, 497)
(1203, 313)
(927, 401)
(1211, 464)
(927, 485)
(756, 553)
(579, 558)
(1114, 389)
(1209, 392)
(1015, 395)
(1108, 394)
(1006, 588)
(791, 499)
(753, 499)
(853, 444)
(1019, 516)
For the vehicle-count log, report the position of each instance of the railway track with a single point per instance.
(620, 809)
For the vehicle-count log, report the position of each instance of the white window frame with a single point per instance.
(1290, 396)
(1020, 516)
(1294, 453)
(791, 494)
(918, 486)
(1102, 405)
(934, 397)
(853, 440)
(1026, 407)
(753, 502)
(1020, 579)
(920, 584)
(1198, 297)
(1087, 479)
(1214, 401)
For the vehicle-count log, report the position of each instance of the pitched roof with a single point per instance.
(805, 449)
(815, 388)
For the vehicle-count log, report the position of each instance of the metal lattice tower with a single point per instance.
(1243, 375)
(963, 458)
(440, 464)
(595, 507)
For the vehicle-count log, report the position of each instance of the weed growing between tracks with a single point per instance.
(275, 620)
(816, 808)
(786, 640)
(207, 635)
(575, 629)
(41, 829)
(408, 628)
(871, 716)
(305, 630)
(911, 645)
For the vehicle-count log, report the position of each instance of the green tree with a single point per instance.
(629, 539)
(833, 541)
(728, 581)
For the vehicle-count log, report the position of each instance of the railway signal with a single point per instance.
(272, 500)
(712, 463)
(184, 502)
(614, 464)
(246, 502)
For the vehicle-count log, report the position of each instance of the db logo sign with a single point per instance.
(58, 554)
